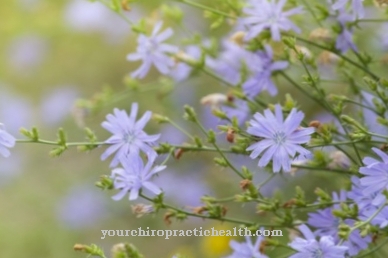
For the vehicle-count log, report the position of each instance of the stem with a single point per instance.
(360, 104)
(312, 12)
(331, 110)
(220, 152)
(373, 249)
(57, 144)
(324, 169)
(375, 77)
(180, 129)
(320, 103)
(207, 8)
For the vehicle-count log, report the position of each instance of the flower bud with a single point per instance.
(315, 124)
(230, 135)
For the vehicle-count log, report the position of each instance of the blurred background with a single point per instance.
(63, 65)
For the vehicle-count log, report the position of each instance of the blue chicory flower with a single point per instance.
(375, 173)
(262, 66)
(327, 224)
(246, 249)
(230, 62)
(134, 176)
(128, 135)
(268, 14)
(152, 51)
(344, 40)
(310, 247)
(357, 7)
(281, 138)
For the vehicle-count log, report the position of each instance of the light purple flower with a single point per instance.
(344, 40)
(357, 7)
(181, 71)
(364, 202)
(230, 62)
(380, 220)
(262, 66)
(375, 173)
(327, 225)
(268, 14)
(6, 141)
(246, 249)
(152, 51)
(310, 247)
(239, 109)
(128, 135)
(281, 138)
(134, 176)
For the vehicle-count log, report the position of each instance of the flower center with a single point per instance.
(129, 137)
(279, 137)
(151, 46)
(317, 253)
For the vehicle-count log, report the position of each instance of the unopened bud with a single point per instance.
(230, 135)
(178, 153)
(381, 3)
(315, 123)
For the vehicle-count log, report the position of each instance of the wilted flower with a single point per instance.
(338, 160)
(320, 34)
(214, 100)
(141, 209)
(281, 138)
(128, 135)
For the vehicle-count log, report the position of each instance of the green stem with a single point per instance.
(367, 254)
(320, 103)
(341, 171)
(375, 77)
(206, 8)
(57, 144)
(181, 129)
(220, 152)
